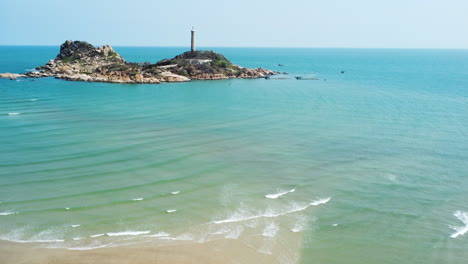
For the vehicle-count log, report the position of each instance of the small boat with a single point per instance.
(302, 78)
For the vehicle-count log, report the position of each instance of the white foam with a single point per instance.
(460, 230)
(8, 213)
(277, 195)
(77, 238)
(296, 229)
(51, 235)
(14, 113)
(137, 199)
(300, 223)
(33, 100)
(321, 201)
(175, 192)
(160, 234)
(234, 233)
(264, 251)
(75, 225)
(183, 237)
(335, 225)
(67, 208)
(171, 211)
(220, 232)
(35, 240)
(271, 230)
(96, 235)
(91, 247)
(46, 241)
(266, 248)
(269, 214)
(128, 233)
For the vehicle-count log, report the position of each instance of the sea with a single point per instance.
(363, 160)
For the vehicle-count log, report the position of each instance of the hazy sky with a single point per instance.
(238, 23)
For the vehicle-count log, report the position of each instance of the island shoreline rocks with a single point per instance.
(81, 61)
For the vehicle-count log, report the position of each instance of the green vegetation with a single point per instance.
(118, 67)
(112, 54)
(183, 73)
(191, 64)
(72, 58)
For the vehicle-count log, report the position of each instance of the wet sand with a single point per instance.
(219, 251)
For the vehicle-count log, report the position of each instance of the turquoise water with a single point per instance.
(365, 166)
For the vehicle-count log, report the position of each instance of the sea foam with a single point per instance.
(8, 213)
(46, 241)
(137, 199)
(91, 247)
(160, 234)
(183, 237)
(460, 230)
(234, 233)
(269, 214)
(271, 230)
(14, 113)
(277, 195)
(128, 233)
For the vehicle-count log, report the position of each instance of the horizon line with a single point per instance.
(259, 47)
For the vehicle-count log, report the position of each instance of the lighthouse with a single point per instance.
(193, 40)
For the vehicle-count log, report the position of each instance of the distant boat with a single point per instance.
(302, 78)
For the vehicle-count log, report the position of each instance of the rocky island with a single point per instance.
(81, 61)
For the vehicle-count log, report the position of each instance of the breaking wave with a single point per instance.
(277, 195)
(460, 230)
(267, 214)
(8, 213)
(128, 233)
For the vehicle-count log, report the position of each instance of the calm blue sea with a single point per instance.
(365, 166)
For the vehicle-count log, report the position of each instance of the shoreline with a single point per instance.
(217, 251)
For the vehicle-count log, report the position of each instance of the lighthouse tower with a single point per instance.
(193, 40)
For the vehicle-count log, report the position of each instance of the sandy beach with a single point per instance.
(220, 251)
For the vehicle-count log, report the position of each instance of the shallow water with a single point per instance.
(376, 156)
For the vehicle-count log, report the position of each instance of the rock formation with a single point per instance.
(81, 61)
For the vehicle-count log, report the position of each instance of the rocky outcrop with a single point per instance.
(11, 76)
(81, 61)
(208, 65)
